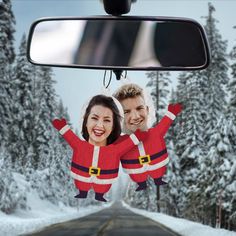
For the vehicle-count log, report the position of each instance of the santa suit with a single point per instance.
(149, 158)
(93, 166)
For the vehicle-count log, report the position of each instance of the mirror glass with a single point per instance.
(113, 43)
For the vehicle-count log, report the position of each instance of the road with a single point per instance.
(113, 221)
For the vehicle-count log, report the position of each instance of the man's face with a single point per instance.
(136, 114)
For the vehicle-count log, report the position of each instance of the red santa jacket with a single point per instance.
(151, 154)
(94, 164)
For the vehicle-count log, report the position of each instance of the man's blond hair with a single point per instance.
(128, 91)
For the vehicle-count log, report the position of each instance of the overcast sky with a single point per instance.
(75, 86)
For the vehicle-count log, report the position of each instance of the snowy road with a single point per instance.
(114, 221)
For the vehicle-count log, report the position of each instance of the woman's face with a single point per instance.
(99, 125)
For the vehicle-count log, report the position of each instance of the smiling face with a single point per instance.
(136, 114)
(99, 125)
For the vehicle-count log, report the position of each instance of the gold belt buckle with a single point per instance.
(93, 171)
(144, 159)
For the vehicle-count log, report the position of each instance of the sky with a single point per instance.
(76, 86)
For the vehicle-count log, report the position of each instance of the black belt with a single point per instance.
(94, 170)
(144, 159)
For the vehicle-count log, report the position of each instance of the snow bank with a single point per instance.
(41, 214)
(182, 226)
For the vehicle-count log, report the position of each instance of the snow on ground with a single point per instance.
(41, 214)
(182, 226)
(44, 213)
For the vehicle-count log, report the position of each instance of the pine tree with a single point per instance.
(11, 197)
(231, 111)
(159, 82)
(51, 155)
(229, 200)
(215, 77)
(140, 199)
(228, 175)
(42, 147)
(46, 108)
(189, 144)
(21, 130)
(170, 192)
(63, 189)
(60, 167)
(7, 23)
(171, 195)
(7, 56)
(213, 82)
(218, 180)
(203, 97)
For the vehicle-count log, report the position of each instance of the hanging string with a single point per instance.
(125, 75)
(104, 79)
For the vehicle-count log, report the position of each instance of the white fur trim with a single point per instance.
(141, 149)
(92, 179)
(95, 156)
(64, 129)
(170, 115)
(134, 139)
(147, 167)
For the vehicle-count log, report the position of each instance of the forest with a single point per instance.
(201, 144)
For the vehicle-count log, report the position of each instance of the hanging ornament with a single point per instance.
(97, 166)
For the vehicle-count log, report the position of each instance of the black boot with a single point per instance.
(99, 197)
(141, 186)
(159, 181)
(82, 194)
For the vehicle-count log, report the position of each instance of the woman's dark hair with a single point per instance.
(108, 102)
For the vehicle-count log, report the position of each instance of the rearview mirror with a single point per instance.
(128, 43)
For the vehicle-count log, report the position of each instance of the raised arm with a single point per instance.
(130, 141)
(165, 123)
(64, 129)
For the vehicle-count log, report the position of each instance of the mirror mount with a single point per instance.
(118, 73)
(117, 7)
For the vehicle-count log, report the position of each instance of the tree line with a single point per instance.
(201, 142)
(31, 151)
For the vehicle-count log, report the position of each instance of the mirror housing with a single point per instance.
(117, 7)
(119, 43)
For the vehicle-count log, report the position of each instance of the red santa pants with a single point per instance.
(98, 188)
(158, 173)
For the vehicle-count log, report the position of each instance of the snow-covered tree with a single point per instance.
(145, 199)
(21, 129)
(213, 82)
(232, 84)
(231, 117)
(59, 169)
(46, 107)
(215, 77)
(189, 144)
(171, 192)
(203, 97)
(231, 111)
(11, 197)
(159, 82)
(218, 182)
(7, 56)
